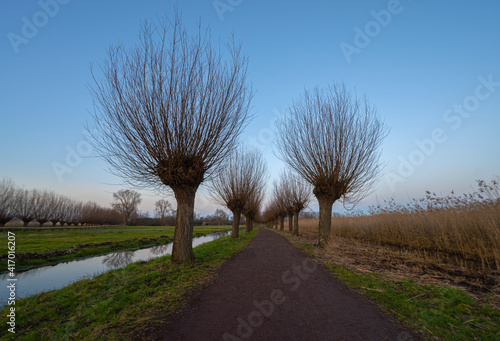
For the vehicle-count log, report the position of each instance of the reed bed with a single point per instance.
(463, 230)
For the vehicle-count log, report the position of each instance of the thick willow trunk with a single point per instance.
(295, 231)
(182, 250)
(248, 226)
(282, 223)
(290, 223)
(325, 219)
(235, 233)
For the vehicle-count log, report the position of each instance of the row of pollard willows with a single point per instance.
(239, 186)
(291, 194)
(44, 206)
(332, 139)
(168, 113)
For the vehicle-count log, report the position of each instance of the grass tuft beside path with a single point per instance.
(121, 304)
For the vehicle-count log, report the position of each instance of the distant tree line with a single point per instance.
(44, 206)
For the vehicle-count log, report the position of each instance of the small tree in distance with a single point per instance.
(332, 138)
(221, 216)
(162, 208)
(168, 112)
(126, 202)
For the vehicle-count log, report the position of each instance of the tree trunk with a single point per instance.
(251, 224)
(295, 231)
(325, 219)
(54, 223)
(282, 223)
(182, 250)
(248, 225)
(290, 223)
(25, 222)
(235, 233)
(41, 222)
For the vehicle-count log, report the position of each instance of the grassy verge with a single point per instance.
(437, 312)
(121, 304)
(64, 245)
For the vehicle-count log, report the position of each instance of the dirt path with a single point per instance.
(270, 291)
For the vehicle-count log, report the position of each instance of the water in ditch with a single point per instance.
(57, 276)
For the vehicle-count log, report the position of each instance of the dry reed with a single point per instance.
(463, 230)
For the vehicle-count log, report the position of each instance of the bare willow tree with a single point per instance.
(242, 175)
(296, 194)
(23, 205)
(167, 113)
(332, 138)
(43, 205)
(300, 194)
(126, 201)
(253, 206)
(162, 208)
(7, 201)
(279, 203)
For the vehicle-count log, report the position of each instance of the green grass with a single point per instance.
(120, 304)
(45, 240)
(49, 240)
(447, 313)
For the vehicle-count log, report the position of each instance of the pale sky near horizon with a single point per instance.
(431, 69)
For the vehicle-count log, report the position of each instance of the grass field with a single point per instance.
(121, 304)
(45, 241)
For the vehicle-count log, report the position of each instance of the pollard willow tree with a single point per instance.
(298, 193)
(168, 111)
(7, 201)
(238, 181)
(253, 206)
(332, 139)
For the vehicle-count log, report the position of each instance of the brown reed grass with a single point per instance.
(462, 230)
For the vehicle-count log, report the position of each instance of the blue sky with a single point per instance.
(431, 69)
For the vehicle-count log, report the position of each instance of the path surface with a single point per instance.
(270, 291)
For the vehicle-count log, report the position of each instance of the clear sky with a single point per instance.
(431, 68)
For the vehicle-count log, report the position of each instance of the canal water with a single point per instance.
(57, 276)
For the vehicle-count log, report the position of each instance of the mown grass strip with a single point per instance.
(446, 313)
(127, 303)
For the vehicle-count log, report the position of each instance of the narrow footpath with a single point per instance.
(271, 291)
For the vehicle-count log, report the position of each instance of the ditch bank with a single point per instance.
(29, 260)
